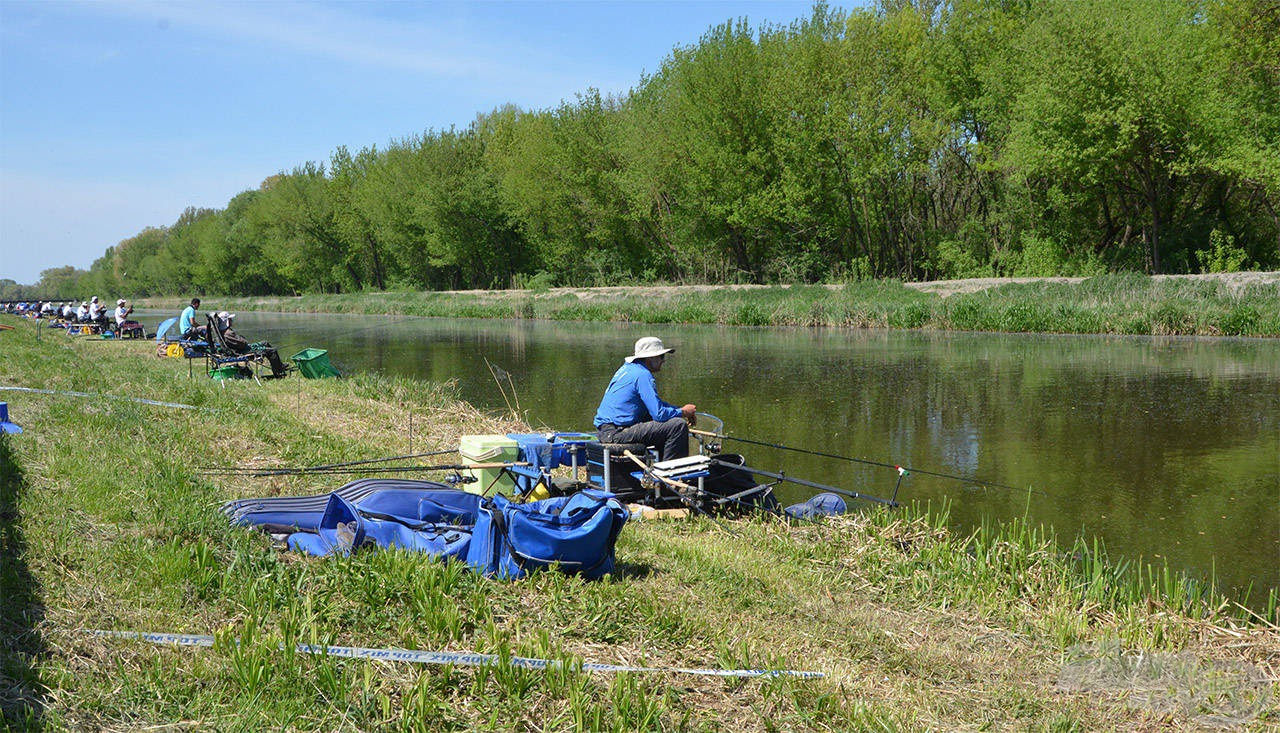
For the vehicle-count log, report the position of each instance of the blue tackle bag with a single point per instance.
(576, 532)
(434, 522)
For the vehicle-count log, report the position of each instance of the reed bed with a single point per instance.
(1126, 304)
(107, 522)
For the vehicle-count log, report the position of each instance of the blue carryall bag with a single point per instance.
(437, 522)
(576, 532)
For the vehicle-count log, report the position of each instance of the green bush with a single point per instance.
(1223, 255)
(1041, 257)
(751, 314)
(1024, 317)
(1173, 318)
(954, 261)
(539, 282)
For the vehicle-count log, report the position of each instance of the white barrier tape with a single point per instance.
(109, 396)
(465, 659)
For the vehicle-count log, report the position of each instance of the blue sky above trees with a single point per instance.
(115, 116)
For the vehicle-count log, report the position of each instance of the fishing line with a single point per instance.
(464, 659)
(980, 482)
(293, 344)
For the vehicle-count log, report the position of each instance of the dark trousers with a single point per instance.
(671, 438)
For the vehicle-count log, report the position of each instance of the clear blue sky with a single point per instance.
(117, 115)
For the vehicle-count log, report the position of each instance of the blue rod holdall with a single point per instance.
(575, 533)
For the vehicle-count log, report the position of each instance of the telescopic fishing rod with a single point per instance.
(380, 460)
(258, 473)
(329, 466)
(810, 484)
(881, 464)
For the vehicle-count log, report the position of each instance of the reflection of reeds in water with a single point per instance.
(513, 401)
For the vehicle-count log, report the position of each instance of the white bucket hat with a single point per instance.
(647, 347)
(120, 302)
(225, 315)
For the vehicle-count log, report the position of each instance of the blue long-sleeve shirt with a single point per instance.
(632, 397)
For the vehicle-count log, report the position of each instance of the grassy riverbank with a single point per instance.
(1245, 304)
(107, 523)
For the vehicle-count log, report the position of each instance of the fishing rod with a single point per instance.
(810, 484)
(258, 473)
(328, 466)
(881, 464)
(379, 460)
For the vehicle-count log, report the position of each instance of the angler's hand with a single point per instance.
(690, 414)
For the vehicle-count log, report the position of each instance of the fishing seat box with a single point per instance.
(476, 449)
(615, 473)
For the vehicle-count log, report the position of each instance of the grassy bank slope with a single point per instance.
(106, 523)
(1246, 304)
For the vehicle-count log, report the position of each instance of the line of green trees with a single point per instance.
(916, 139)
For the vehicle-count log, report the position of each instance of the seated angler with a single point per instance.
(238, 344)
(122, 312)
(631, 411)
(97, 312)
(187, 322)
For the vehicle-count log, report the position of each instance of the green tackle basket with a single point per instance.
(231, 371)
(314, 364)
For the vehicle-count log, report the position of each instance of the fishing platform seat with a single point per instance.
(248, 364)
(131, 330)
(609, 467)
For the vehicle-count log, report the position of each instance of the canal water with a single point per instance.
(1167, 449)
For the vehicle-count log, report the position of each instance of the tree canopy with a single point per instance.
(916, 139)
